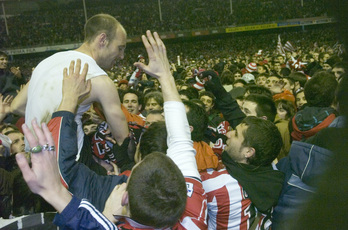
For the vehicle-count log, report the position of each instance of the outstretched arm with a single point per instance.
(180, 146)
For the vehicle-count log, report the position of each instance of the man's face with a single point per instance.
(3, 62)
(234, 146)
(281, 59)
(114, 50)
(300, 100)
(271, 81)
(316, 56)
(130, 101)
(277, 67)
(17, 145)
(152, 118)
(338, 72)
(249, 108)
(261, 69)
(152, 104)
(326, 67)
(208, 103)
(237, 76)
(288, 85)
(261, 80)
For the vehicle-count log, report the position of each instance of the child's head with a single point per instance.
(285, 109)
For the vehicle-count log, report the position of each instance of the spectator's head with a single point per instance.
(289, 84)
(339, 69)
(123, 84)
(198, 120)
(208, 100)
(299, 80)
(255, 141)
(257, 89)
(259, 106)
(262, 69)
(272, 81)
(300, 98)
(107, 37)
(153, 101)
(153, 116)
(261, 79)
(237, 75)
(3, 60)
(276, 67)
(239, 83)
(156, 187)
(285, 109)
(17, 139)
(320, 89)
(285, 72)
(156, 191)
(227, 77)
(132, 100)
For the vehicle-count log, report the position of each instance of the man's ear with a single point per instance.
(103, 40)
(250, 152)
(191, 128)
(124, 201)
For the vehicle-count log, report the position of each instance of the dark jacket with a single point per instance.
(80, 180)
(303, 168)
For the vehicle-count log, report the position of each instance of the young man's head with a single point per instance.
(198, 120)
(107, 38)
(153, 101)
(208, 100)
(261, 79)
(17, 139)
(299, 80)
(156, 191)
(163, 172)
(259, 106)
(153, 116)
(320, 89)
(132, 100)
(255, 141)
(339, 69)
(3, 60)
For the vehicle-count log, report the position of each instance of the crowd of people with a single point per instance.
(63, 23)
(235, 135)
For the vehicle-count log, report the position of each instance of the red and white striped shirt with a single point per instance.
(228, 204)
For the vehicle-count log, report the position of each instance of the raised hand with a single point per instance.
(75, 87)
(158, 66)
(43, 175)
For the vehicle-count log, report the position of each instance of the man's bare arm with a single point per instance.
(104, 92)
(19, 103)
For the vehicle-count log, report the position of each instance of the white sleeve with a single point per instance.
(180, 145)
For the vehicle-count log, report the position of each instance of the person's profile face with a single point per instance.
(3, 62)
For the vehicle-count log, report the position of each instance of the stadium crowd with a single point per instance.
(63, 23)
(222, 133)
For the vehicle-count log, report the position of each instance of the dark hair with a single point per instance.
(154, 139)
(190, 92)
(285, 72)
(198, 119)
(156, 95)
(300, 77)
(320, 89)
(288, 106)
(264, 137)
(3, 54)
(198, 102)
(137, 93)
(259, 89)
(265, 106)
(209, 94)
(101, 23)
(240, 81)
(227, 77)
(157, 191)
